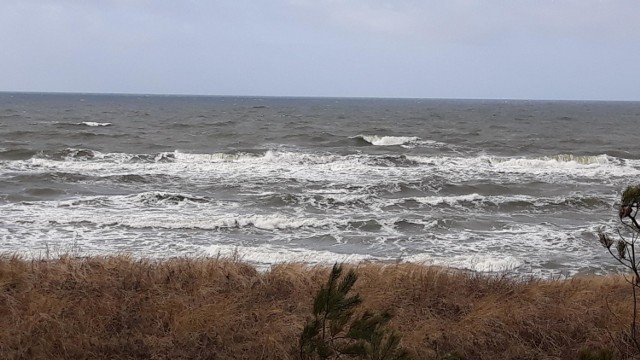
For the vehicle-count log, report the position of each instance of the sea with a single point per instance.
(520, 187)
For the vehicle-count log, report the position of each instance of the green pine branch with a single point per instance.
(333, 333)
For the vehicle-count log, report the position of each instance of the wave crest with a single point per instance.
(159, 197)
(215, 157)
(581, 159)
(94, 124)
(561, 160)
(388, 140)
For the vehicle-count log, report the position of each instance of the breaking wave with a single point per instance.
(561, 160)
(487, 263)
(388, 140)
(216, 157)
(159, 197)
(266, 255)
(94, 124)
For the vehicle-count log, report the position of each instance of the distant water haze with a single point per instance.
(480, 185)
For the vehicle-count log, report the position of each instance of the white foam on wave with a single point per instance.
(449, 200)
(252, 171)
(549, 169)
(581, 159)
(269, 157)
(557, 161)
(271, 222)
(403, 141)
(536, 201)
(388, 140)
(129, 201)
(270, 255)
(480, 263)
(266, 255)
(337, 200)
(213, 221)
(163, 197)
(94, 124)
(126, 211)
(113, 223)
(215, 157)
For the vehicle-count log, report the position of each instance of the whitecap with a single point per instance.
(388, 140)
(580, 159)
(479, 263)
(270, 255)
(214, 157)
(94, 124)
(449, 200)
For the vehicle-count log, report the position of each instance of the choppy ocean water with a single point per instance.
(480, 185)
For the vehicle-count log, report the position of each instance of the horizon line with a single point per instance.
(91, 93)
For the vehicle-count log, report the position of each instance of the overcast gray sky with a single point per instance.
(517, 49)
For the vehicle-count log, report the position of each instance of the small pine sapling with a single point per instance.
(333, 333)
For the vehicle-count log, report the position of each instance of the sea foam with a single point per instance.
(94, 124)
(266, 255)
(388, 140)
(480, 263)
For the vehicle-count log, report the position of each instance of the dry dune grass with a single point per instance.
(122, 308)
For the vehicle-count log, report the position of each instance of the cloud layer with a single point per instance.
(569, 49)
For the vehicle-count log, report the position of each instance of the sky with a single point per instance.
(479, 49)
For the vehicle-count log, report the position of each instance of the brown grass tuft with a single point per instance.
(123, 308)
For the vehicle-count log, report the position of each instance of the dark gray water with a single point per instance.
(484, 185)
